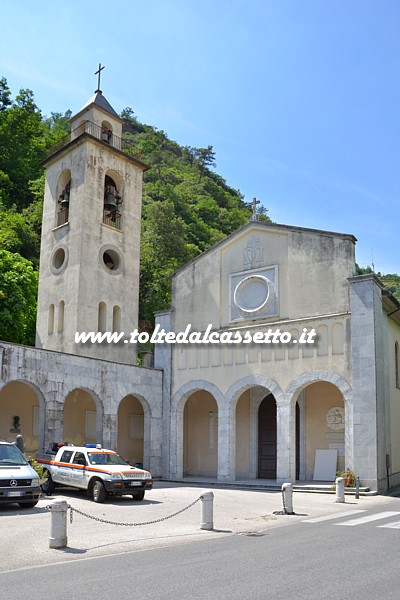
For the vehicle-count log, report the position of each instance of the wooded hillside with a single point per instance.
(187, 207)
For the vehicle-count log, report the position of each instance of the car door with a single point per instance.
(62, 469)
(78, 470)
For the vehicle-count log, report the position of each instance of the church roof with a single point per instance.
(99, 100)
(266, 226)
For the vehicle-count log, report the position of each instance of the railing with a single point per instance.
(62, 217)
(113, 219)
(98, 132)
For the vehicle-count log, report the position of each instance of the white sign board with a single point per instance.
(325, 465)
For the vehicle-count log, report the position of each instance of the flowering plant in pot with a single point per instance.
(349, 477)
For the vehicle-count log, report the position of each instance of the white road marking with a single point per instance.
(369, 518)
(349, 513)
(395, 525)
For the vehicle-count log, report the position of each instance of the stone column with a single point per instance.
(286, 441)
(176, 444)
(152, 454)
(226, 450)
(110, 430)
(54, 415)
(369, 392)
(163, 360)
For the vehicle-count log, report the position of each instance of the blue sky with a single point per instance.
(299, 98)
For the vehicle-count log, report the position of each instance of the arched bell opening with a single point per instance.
(112, 202)
(63, 197)
(106, 133)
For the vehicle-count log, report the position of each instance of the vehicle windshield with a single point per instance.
(10, 455)
(105, 458)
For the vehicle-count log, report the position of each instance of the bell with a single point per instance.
(109, 202)
(105, 136)
(64, 199)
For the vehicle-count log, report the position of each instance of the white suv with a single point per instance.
(18, 481)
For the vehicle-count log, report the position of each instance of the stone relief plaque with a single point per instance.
(335, 418)
(253, 294)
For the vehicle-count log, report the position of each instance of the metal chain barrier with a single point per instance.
(79, 512)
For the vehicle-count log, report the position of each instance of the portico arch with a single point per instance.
(200, 435)
(322, 399)
(134, 429)
(177, 421)
(244, 399)
(22, 410)
(83, 418)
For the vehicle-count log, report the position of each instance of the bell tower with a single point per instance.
(90, 249)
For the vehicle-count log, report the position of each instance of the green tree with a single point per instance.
(163, 250)
(22, 145)
(17, 234)
(18, 293)
(58, 125)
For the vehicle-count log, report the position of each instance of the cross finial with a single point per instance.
(253, 205)
(98, 72)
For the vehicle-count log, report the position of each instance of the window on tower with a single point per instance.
(61, 308)
(51, 320)
(116, 318)
(102, 317)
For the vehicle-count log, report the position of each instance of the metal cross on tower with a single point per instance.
(98, 72)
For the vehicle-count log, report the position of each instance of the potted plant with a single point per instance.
(349, 477)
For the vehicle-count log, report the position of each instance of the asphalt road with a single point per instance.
(337, 556)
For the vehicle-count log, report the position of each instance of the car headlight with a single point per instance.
(116, 476)
(35, 482)
(146, 475)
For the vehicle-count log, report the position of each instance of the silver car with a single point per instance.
(19, 482)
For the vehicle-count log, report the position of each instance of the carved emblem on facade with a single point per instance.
(254, 252)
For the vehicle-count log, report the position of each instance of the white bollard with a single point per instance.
(287, 493)
(207, 510)
(339, 489)
(58, 527)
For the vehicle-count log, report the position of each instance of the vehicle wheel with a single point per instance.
(99, 492)
(27, 504)
(138, 496)
(49, 485)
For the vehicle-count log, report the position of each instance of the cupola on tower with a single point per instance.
(90, 249)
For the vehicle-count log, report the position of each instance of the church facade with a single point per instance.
(312, 387)
(275, 410)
